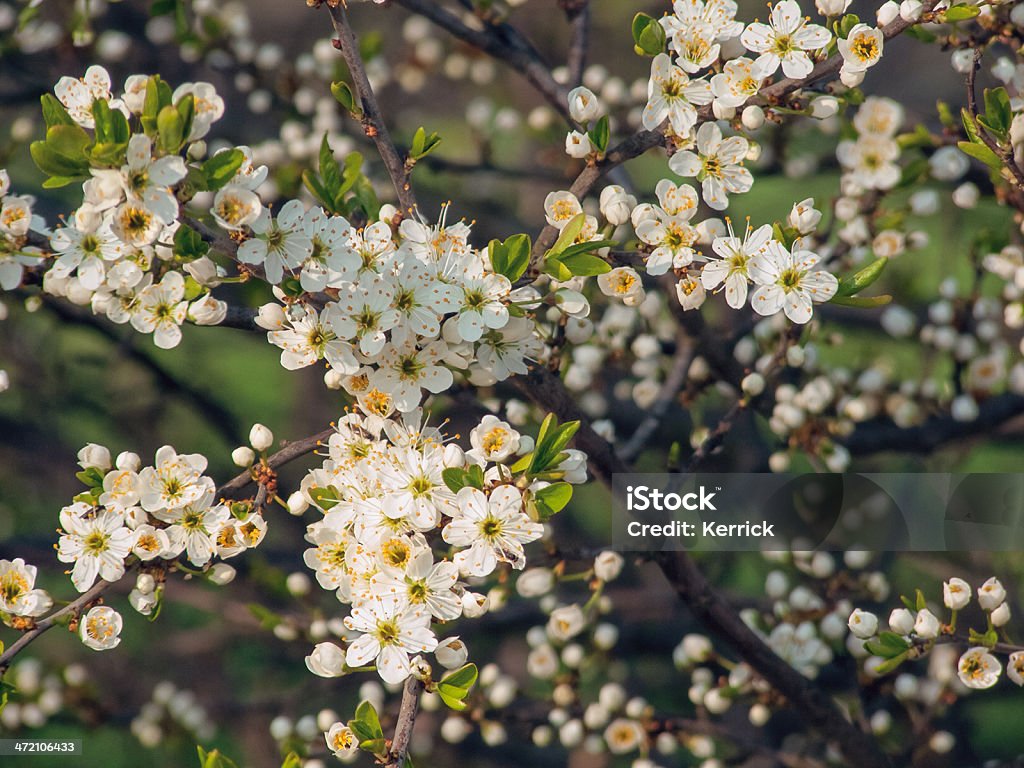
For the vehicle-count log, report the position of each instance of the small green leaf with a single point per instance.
(455, 686)
(292, 760)
(998, 112)
(862, 302)
(344, 95)
(851, 286)
(552, 499)
(222, 167)
(325, 498)
(512, 257)
(366, 725)
(558, 270)
(919, 600)
(600, 134)
(982, 153)
(889, 665)
(455, 478)
(568, 234)
(189, 244)
(171, 129)
(846, 24)
(54, 112)
(585, 264)
(648, 36)
(959, 13)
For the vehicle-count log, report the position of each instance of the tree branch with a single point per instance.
(504, 43)
(578, 13)
(44, 625)
(406, 721)
(373, 121)
(288, 453)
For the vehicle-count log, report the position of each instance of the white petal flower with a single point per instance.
(979, 669)
(100, 628)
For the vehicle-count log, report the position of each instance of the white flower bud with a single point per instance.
(752, 384)
(926, 625)
(863, 624)
(887, 13)
(474, 605)
(584, 106)
(851, 78)
(298, 584)
(94, 456)
(221, 574)
(326, 660)
(260, 437)
(824, 107)
(942, 742)
(991, 594)
(608, 565)
(956, 594)
(145, 583)
(243, 456)
(722, 112)
(832, 7)
(901, 621)
(297, 503)
(578, 145)
(1001, 615)
(535, 582)
(451, 653)
(753, 117)
(616, 204)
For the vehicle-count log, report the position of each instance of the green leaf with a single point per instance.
(558, 270)
(600, 134)
(512, 257)
(55, 182)
(292, 760)
(862, 302)
(171, 128)
(522, 463)
(969, 127)
(187, 110)
(158, 96)
(366, 725)
(344, 95)
(330, 171)
(318, 190)
(919, 600)
(189, 244)
(890, 665)
(455, 686)
(222, 167)
(374, 746)
(267, 618)
(851, 286)
(846, 24)
(54, 112)
(455, 478)
(91, 477)
(552, 499)
(959, 13)
(998, 113)
(648, 36)
(54, 163)
(982, 153)
(585, 264)
(422, 144)
(6, 689)
(550, 442)
(325, 498)
(568, 234)
(913, 172)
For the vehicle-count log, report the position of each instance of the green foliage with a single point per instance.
(547, 451)
(422, 144)
(221, 168)
(959, 13)
(342, 189)
(600, 135)
(189, 244)
(344, 95)
(214, 759)
(648, 36)
(567, 259)
(550, 500)
(457, 478)
(510, 258)
(454, 687)
(851, 286)
(325, 498)
(366, 726)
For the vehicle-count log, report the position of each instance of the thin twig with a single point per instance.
(1004, 154)
(406, 721)
(674, 381)
(504, 43)
(288, 453)
(373, 121)
(44, 625)
(578, 13)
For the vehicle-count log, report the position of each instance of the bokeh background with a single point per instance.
(76, 379)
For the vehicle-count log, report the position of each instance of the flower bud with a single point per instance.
(1001, 615)
(535, 582)
(616, 204)
(127, 461)
(824, 107)
(243, 456)
(145, 583)
(753, 117)
(326, 660)
(887, 12)
(297, 503)
(584, 106)
(577, 145)
(992, 594)
(608, 565)
(474, 605)
(832, 7)
(863, 624)
(94, 456)
(926, 625)
(451, 653)
(722, 112)
(260, 437)
(956, 594)
(221, 574)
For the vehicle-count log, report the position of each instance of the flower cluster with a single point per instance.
(915, 630)
(150, 515)
(388, 490)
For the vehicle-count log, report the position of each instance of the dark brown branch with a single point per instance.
(876, 436)
(1003, 153)
(504, 43)
(578, 13)
(373, 121)
(44, 625)
(289, 452)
